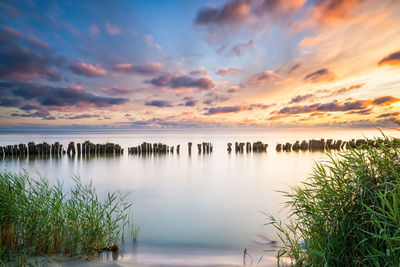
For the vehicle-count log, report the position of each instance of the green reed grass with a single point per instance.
(37, 218)
(347, 213)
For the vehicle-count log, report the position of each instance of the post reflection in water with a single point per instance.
(190, 207)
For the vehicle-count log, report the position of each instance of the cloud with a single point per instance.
(345, 89)
(158, 103)
(117, 91)
(94, 30)
(233, 89)
(47, 97)
(87, 70)
(299, 109)
(241, 12)
(214, 96)
(9, 102)
(232, 12)
(386, 115)
(83, 116)
(320, 76)
(149, 39)
(261, 77)
(385, 100)
(182, 81)
(235, 109)
(300, 98)
(239, 48)
(392, 59)
(326, 93)
(144, 69)
(334, 11)
(190, 103)
(293, 68)
(23, 58)
(199, 71)
(227, 71)
(336, 106)
(37, 114)
(112, 30)
(366, 111)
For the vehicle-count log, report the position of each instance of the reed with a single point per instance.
(347, 213)
(37, 218)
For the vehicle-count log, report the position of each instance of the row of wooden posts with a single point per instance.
(329, 144)
(158, 148)
(56, 149)
(88, 148)
(32, 149)
(240, 147)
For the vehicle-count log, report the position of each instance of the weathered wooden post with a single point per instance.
(190, 147)
(178, 147)
(248, 147)
(241, 147)
(199, 148)
(229, 147)
(304, 145)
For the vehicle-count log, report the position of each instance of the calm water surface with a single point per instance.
(198, 209)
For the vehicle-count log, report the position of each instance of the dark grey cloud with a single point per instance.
(190, 103)
(323, 74)
(183, 81)
(301, 98)
(23, 58)
(240, 12)
(356, 106)
(262, 77)
(232, 12)
(10, 102)
(117, 91)
(366, 111)
(143, 69)
(38, 99)
(40, 113)
(158, 103)
(337, 106)
(293, 68)
(47, 95)
(385, 100)
(387, 115)
(213, 97)
(83, 116)
(392, 59)
(235, 109)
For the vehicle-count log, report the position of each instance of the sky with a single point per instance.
(200, 64)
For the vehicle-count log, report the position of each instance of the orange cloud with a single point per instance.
(333, 11)
(392, 59)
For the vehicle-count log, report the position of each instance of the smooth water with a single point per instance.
(191, 209)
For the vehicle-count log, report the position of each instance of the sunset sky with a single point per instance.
(200, 64)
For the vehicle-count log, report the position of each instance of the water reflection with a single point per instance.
(196, 208)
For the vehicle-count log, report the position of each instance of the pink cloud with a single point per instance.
(112, 30)
(88, 70)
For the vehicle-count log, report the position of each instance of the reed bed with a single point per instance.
(347, 213)
(37, 218)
